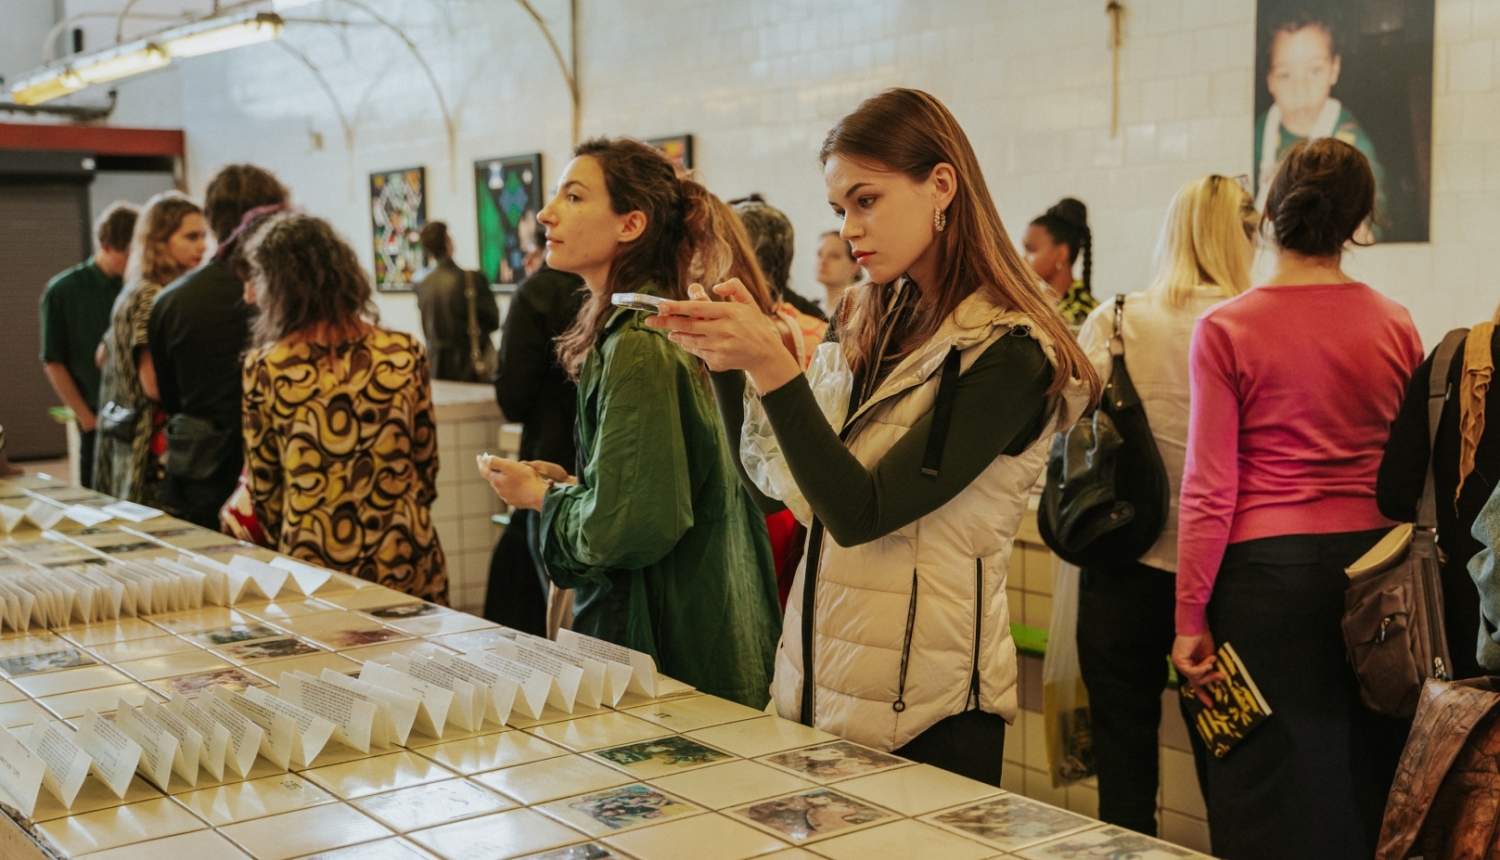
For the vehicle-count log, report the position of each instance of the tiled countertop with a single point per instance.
(689, 776)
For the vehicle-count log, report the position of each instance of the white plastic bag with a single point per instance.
(1065, 701)
(831, 382)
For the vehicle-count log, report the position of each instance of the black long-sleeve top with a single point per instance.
(530, 386)
(999, 409)
(1398, 489)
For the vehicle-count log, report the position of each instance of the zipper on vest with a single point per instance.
(978, 613)
(911, 622)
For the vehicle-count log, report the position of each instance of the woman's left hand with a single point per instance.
(731, 335)
(517, 483)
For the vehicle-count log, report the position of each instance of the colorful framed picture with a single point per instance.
(398, 209)
(508, 195)
(679, 150)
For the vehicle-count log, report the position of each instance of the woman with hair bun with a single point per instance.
(1053, 242)
(663, 549)
(1294, 387)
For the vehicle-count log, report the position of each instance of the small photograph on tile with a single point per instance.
(30, 664)
(617, 809)
(268, 649)
(194, 685)
(353, 637)
(647, 759)
(1010, 822)
(234, 633)
(1109, 843)
(813, 814)
(833, 761)
(695, 712)
(406, 610)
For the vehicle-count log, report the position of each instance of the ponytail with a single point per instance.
(717, 247)
(690, 236)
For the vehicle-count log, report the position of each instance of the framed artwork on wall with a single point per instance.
(679, 150)
(398, 209)
(1359, 71)
(508, 196)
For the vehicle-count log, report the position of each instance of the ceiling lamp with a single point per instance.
(220, 34)
(45, 86)
(120, 62)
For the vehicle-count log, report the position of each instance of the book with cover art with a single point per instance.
(1238, 705)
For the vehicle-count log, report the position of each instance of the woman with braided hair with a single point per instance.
(1053, 243)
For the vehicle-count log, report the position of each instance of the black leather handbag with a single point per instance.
(1107, 494)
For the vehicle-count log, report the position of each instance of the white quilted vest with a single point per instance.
(933, 591)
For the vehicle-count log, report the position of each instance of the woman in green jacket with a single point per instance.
(663, 549)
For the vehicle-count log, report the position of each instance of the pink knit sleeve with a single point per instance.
(1210, 478)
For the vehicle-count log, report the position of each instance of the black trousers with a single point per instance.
(86, 458)
(970, 744)
(515, 597)
(1311, 781)
(1125, 632)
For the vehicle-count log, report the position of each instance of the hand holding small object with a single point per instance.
(730, 335)
(518, 484)
(1193, 657)
(551, 471)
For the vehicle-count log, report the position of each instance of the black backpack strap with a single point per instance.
(942, 412)
(1437, 395)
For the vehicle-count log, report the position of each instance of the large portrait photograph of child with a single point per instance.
(1359, 71)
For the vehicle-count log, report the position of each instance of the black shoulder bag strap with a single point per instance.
(1437, 395)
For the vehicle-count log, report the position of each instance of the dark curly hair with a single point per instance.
(1067, 222)
(306, 274)
(773, 238)
(234, 190)
(1323, 190)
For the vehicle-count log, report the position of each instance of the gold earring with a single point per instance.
(939, 219)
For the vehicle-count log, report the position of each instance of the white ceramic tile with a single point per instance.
(917, 789)
(432, 804)
(808, 816)
(900, 840)
(724, 785)
(256, 798)
(491, 752)
(616, 810)
(695, 712)
(1009, 822)
(305, 831)
(541, 781)
(120, 825)
(604, 730)
(700, 837)
(760, 736)
(197, 845)
(377, 774)
(503, 835)
(395, 848)
(1108, 842)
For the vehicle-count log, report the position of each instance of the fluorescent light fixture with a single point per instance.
(220, 34)
(121, 62)
(46, 86)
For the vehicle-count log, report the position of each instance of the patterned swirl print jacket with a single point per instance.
(342, 455)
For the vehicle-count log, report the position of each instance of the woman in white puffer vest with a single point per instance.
(956, 372)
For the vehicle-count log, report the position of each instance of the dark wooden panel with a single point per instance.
(43, 230)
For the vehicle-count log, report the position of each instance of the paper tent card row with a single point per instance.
(379, 709)
(84, 594)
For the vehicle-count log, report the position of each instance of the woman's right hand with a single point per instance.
(730, 335)
(1193, 657)
(551, 471)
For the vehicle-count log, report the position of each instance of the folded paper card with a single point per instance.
(244, 737)
(115, 755)
(352, 717)
(566, 678)
(21, 772)
(313, 731)
(67, 762)
(642, 669)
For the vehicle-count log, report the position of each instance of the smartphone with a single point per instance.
(638, 302)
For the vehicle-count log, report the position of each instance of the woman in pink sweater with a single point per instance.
(1294, 387)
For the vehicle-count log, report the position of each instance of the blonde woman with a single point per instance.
(170, 237)
(1125, 626)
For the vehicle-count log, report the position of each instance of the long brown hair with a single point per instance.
(306, 275)
(690, 236)
(912, 132)
(151, 259)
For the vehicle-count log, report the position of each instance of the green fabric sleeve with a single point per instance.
(1000, 408)
(634, 501)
